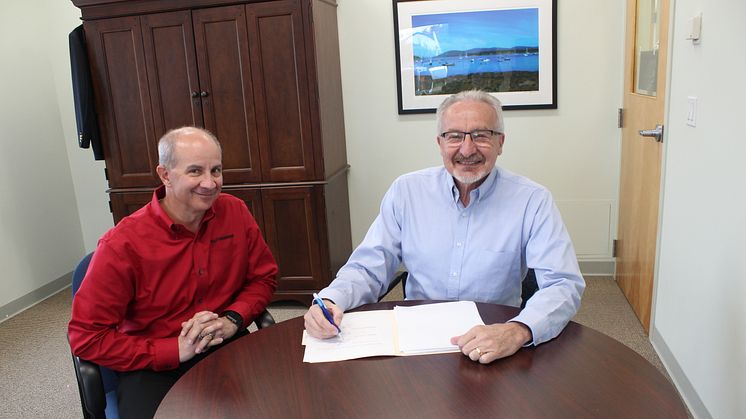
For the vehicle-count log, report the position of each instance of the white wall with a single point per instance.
(573, 150)
(40, 237)
(87, 173)
(699, 314)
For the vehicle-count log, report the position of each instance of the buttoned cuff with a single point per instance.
(339, 298)
(166, 351)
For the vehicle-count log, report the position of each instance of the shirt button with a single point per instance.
(458, 244)
(201, 272)
(463, 214)
(454, 273)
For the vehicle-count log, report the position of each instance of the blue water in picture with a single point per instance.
(442, 67)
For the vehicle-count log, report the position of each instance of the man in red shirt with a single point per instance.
(182, 275)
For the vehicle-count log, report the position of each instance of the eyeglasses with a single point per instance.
(480, 137)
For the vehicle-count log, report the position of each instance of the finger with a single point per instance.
(203, 341)
(488, 357)
(185, 326)
(464, 339)
(204, 317)
(212, 326)
(474, 355)
(337, 314)
(317, 325)
(200, 322)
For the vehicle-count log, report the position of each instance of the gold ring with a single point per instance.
(478, 351)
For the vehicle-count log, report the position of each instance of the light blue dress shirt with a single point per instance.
(479, 253)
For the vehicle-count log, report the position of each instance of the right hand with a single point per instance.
(318, 326)
(191, 339)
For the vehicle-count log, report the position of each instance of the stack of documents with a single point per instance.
(415, 330)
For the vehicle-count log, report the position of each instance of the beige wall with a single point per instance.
(573, 150)
(40, 237)
(699, 315)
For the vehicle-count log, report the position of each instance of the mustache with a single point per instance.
(474, 158)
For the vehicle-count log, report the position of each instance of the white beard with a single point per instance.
(468, 180)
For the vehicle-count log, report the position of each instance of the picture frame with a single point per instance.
(505, 47)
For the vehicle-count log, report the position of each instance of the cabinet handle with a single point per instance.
(195, 94)
(204, 94)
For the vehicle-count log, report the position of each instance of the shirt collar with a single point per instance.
(160, 193)
(483, 190)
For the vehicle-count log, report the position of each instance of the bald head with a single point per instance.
(167, 143)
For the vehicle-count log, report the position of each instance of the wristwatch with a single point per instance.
(234, 317)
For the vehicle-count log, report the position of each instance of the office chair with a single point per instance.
(98, 385)
(528, 286)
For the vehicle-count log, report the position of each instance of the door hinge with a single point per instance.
(106, 173)
(620, 118)
(614, 246)
(110, 209)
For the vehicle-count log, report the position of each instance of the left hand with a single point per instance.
(211, 333)
(494, 341)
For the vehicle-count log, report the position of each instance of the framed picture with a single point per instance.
(505, 47)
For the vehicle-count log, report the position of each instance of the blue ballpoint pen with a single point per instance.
(324, 310)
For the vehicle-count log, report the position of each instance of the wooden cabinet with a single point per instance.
(264, 77)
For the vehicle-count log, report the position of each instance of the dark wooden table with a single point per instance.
(581, 373)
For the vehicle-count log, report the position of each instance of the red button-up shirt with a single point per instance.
(148, 275)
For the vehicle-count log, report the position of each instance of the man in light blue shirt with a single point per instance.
(466, 231)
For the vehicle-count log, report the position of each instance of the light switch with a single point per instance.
(691, 116)
(695, 28)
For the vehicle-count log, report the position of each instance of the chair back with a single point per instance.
(97, 385)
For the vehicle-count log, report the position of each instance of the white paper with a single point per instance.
(429, 328)
(364, 333)
(415, 330)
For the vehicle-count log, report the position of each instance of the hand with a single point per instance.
(318, 326)
(203, 330)
(494, 341)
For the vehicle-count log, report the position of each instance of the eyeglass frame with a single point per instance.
(471, 134)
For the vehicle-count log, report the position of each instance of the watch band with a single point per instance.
(234, 317)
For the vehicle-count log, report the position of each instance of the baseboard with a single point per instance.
(596, 267)
(34, 297)
(682, 383)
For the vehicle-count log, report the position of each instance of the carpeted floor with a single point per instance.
(38, 380)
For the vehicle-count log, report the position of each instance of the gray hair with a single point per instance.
(471, 96)
(166, 144)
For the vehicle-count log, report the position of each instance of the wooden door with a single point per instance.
(123, 101)
(172, 70)
(253, 199)
(282, 96)
(644, 104)
(292, 232)
(125, 203)
(227, 94)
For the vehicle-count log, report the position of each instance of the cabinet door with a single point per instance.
(292, 231)
(227, 98)
(125, 203)
(123, 101)
(172, 70)
(253, 200)
(282, 95)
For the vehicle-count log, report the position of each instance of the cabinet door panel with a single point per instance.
(282, 97)
(291, 227)
(253, 200)
(123, 101)
(225, 77)
(125, 203)
(172, 70)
